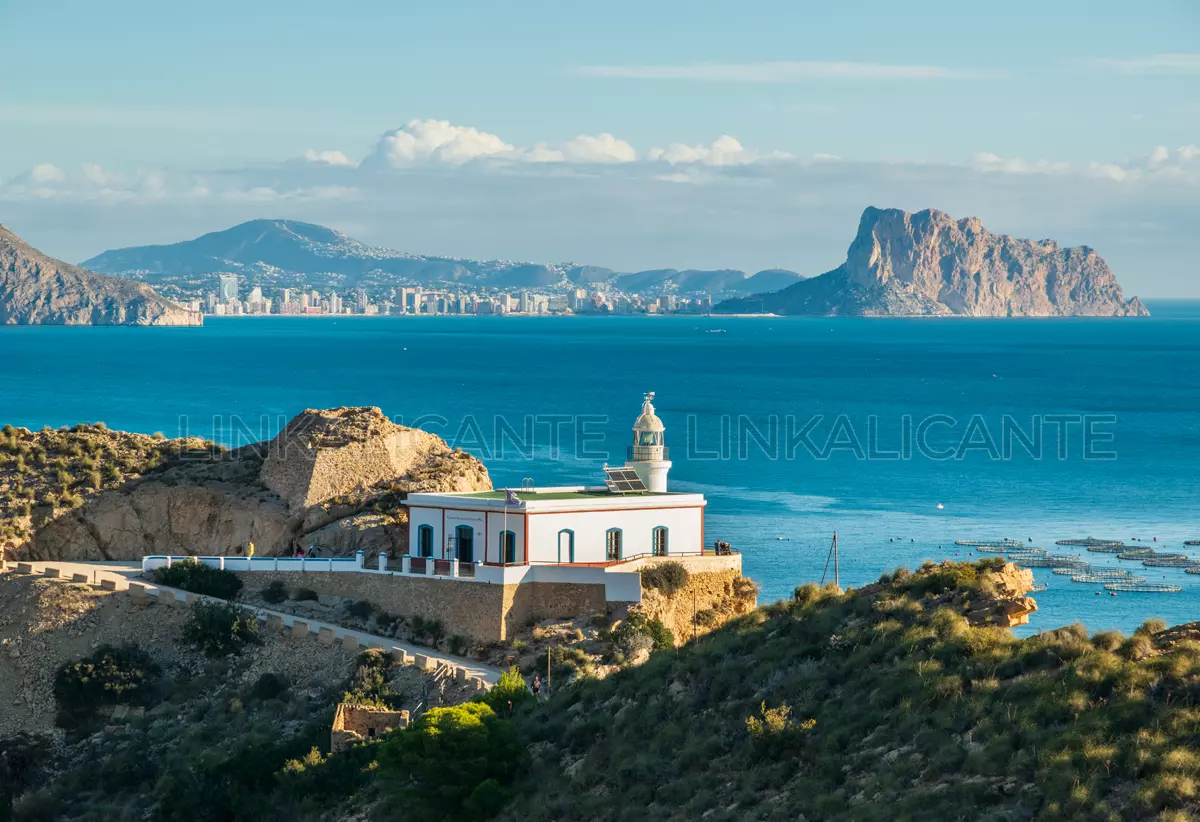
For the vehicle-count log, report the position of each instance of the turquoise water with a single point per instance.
(1138, 380)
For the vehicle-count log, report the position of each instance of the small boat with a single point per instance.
(940, 506)
(1038, 587)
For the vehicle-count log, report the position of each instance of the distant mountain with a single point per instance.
(928, 264)
(288, 252)
(40, 290)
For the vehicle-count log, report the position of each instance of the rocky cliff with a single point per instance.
(928, 264)
(332, 480)
(40, 290)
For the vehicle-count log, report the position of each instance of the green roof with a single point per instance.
(554, 495)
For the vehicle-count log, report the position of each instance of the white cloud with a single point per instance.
(989, 162)
(327, 158)
(1177, 63)
(1111, 171)
(46, 173)
(1186, 153)
(723, 151)
(784, 72)
(601, 148)
(421, 141)
(1159, 155)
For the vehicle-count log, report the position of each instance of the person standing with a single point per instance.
(537, 686)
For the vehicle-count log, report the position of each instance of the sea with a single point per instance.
(900, 435)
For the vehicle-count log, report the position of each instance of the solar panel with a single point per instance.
(623, 480)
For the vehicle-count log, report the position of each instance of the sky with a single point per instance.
(631, 135)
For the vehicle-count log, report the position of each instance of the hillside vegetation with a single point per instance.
(44, 473)
(878, 704)
(883, 703)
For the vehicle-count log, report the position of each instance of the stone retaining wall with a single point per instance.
(479, 610)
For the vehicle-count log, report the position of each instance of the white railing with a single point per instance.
(619, 585)
(244, 564)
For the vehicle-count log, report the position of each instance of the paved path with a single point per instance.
(126, 572)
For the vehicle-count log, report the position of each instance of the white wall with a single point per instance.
(496, 523)
(684, 532)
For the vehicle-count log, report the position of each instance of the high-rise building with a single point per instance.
(228, 289)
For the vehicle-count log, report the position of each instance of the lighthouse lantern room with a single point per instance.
(648, 455)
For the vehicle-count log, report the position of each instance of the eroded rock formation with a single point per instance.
(333, 480)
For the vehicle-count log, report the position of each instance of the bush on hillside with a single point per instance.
(452, 764)
(635, 630)
(305, 595)
(124, 675)
(193, 575)
(221, 628)
(510, 689)
(668, 577)
(24, 759)
(275, 592)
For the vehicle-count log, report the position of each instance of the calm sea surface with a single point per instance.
(793, 428)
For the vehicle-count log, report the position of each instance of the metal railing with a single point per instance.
(466, 569)
(442, 568)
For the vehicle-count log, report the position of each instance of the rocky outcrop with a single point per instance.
(40, 290)
(1007, 606)
(333, 481)
(928, 264)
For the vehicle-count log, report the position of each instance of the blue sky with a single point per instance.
(633, 135)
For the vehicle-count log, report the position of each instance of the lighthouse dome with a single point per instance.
(649, 421)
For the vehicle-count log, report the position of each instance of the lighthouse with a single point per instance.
(648, 454)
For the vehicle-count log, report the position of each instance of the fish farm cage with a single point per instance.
(1092, 570)
(988, 543)
(1105, 579)
(1045, 562)
(1088, 542)
(1171, 562)
(1140, 553)
(1143, 587)
(1038, 587)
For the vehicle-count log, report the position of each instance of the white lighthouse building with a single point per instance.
(632, 515)
(648, 454)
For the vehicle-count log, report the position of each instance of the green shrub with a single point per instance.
(668, 577)
(275, 592)
(220, 628)
(456, 644)
(630, 636)
(360, 609)
(706, 617)
(305, 595)
(193, 575)
(510, 689)
(428, 629)
(269, 686)
(24, 759)
(124, 675)
(452, 764)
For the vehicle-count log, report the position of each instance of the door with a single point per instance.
(464, 536)
(566, 545)
(508, 541)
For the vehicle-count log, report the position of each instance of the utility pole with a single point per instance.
(548, 647)
(837, 579)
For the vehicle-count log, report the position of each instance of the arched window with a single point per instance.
(508, 545)
(659, 541)
(566, 545)
(612, 545)
(464, 542)
(425, 541)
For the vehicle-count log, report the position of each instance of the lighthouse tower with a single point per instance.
(648, 454)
